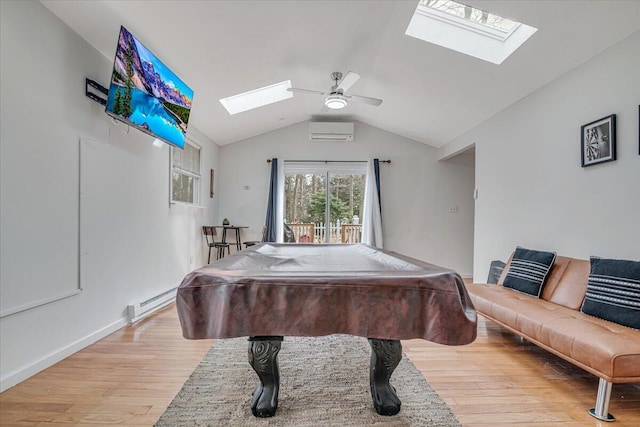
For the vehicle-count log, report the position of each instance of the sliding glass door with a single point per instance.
(323, 201)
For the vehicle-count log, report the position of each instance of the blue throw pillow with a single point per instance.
(613, 291)
(529, 270)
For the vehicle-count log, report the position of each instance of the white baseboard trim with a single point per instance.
(19, 375)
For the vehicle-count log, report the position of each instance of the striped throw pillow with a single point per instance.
(613, 291)
(529, 270)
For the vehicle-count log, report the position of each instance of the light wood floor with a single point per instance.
(130, 377)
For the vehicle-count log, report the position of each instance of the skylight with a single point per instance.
(257, 97)
(471, 14)
(468, 30)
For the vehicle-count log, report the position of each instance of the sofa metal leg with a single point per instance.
(601, 411)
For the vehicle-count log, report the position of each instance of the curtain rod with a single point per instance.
(331, 161)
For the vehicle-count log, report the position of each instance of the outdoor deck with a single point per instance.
(317, 233)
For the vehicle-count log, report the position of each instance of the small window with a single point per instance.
(185, 174)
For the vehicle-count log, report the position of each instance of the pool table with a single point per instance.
(274, 290)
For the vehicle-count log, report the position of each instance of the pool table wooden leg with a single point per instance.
(385, 356)
(263, 358)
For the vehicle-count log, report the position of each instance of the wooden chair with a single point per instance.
(255, 242)
(210, 235)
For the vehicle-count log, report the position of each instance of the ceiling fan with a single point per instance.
(336, 99)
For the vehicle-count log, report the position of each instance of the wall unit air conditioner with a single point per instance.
(331, 131)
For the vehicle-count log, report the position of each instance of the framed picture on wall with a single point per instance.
(598, 141)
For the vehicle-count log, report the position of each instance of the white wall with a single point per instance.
(417, 190)
(134, 245)
(533, 191)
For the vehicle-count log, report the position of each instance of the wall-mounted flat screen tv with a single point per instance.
(147, 95)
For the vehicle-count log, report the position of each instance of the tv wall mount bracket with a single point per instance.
(91, 87)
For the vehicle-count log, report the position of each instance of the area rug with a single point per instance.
(324, 381)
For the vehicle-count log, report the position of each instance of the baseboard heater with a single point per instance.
(141, 310)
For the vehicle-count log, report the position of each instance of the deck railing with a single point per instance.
(316, 233)
(303, 233)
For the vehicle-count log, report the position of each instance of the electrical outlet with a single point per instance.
(454, 209)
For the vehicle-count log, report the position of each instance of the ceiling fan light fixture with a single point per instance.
(335, 102)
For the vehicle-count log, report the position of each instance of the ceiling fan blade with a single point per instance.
(348, 81)
(313, 92)
(365, 99)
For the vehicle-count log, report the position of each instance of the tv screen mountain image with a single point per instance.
(144, 93)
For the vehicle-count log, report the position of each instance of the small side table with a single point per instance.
(237, 228)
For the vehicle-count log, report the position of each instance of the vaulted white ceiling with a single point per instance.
(431, 94)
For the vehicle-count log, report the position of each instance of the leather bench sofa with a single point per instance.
(555, 323)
